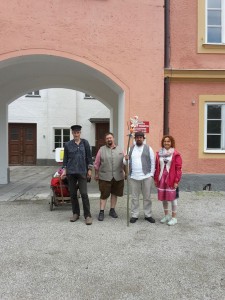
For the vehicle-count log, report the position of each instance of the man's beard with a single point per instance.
(109, 143)
(139, 143)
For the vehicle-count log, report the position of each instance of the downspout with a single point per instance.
(166, 65)
(166, 106)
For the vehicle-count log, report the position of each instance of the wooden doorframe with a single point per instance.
(22, 142)
(101, 128)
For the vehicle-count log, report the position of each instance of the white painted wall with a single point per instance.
(57, 108)
(86, 109)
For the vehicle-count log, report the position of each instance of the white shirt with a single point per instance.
(137, 172)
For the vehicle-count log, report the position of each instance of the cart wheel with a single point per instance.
(51, 203)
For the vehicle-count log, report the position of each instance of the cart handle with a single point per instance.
(60, 184)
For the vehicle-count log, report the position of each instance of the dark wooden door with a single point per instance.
(101, 130)
(22, 144)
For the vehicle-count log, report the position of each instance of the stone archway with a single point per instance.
(88, 46)
(21, 74)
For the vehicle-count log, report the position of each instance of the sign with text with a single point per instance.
(142, 126)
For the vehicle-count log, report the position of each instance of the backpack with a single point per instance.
(55, 185)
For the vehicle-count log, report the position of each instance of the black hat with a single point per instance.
(76, 127)
(139, 133)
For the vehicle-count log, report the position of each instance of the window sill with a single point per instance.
(214, 46)
(214, 151)
(33, 96)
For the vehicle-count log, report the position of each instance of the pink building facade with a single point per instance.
(115, 51)
(112, 50)
(195, 72)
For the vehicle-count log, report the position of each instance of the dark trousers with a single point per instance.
(82, 182)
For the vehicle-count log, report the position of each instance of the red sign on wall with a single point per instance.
(142, 126)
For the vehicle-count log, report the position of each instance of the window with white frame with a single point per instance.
(33, 94)
(215, 127)
(215, 33)
(62, 135)
(86, 96)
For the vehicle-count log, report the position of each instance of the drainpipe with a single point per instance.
(166, 105)
(167, 33)
(166, 65)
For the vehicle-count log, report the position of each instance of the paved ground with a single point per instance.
(43, 256)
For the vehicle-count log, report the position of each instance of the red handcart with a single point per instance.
(60, 192)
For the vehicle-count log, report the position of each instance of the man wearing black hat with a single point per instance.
(78, 164)
(142, 168)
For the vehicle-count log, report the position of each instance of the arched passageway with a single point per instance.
(22, 74)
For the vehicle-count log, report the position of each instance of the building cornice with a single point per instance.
(195, 74)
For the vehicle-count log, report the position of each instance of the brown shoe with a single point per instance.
(74, 218)
(88, 220)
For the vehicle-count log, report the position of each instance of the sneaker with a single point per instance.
(101, 216)
(133, 220)
(74, 218)
(173, 221)
(150, 219)
(88, 220)
(165, 219)
(112, 213)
